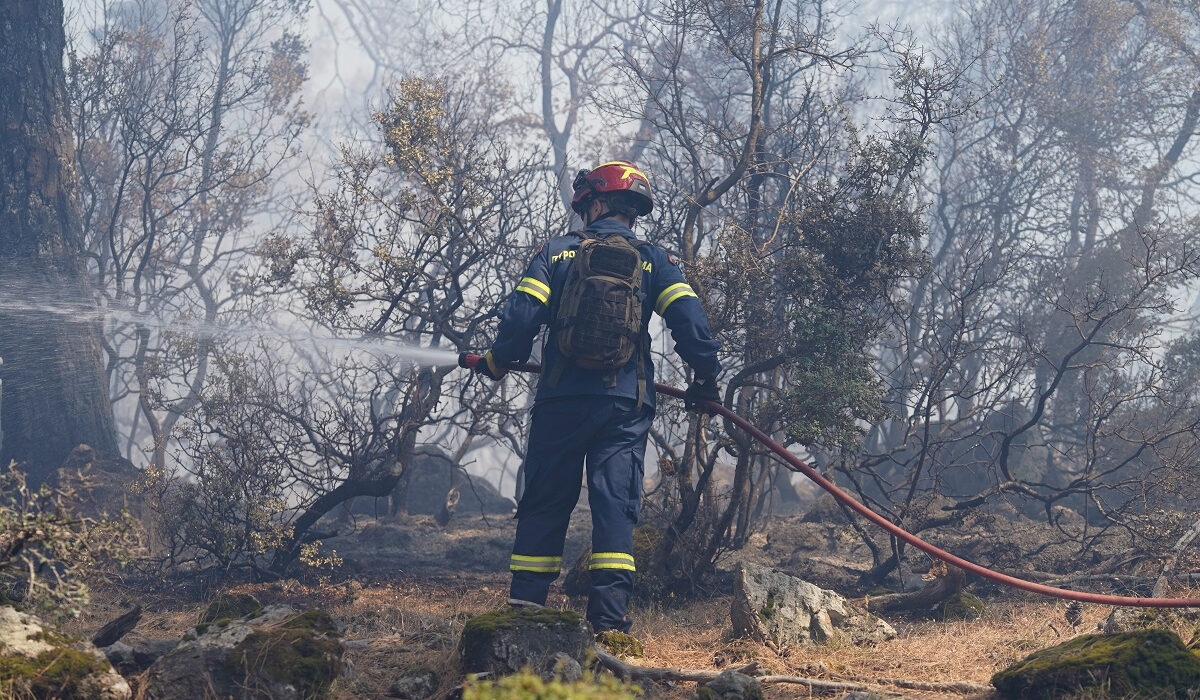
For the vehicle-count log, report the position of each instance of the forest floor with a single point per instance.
(407, 587)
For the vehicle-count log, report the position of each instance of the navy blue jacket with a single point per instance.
(667, 293)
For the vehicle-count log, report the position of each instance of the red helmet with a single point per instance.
(614, 176)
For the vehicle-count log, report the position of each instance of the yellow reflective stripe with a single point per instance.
(538, 569)
(623, 566)
(612, 555)
(611, 560)
(536, 283)
(542, 565)
(670, 294)
(535, 289)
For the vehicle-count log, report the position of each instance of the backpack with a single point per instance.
(598, 316)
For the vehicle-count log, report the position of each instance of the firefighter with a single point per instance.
(596, 289)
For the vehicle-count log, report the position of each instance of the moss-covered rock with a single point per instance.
(964, 606)
(304, 653)
(1140, 663)
(530, 686)
(280, 653)
(230, 606)
(621, 644)
(36, 663)
(510, 639)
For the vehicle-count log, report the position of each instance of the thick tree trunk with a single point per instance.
(54, 391)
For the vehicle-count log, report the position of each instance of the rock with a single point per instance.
(276, 652)
(774, 607)
(565, 669)
(415, 685)
(730, 685)
(1130, 619)
(963, 606)
(37, 662)
(120, 655)
(147, 651)
(507, 640)
(133, 657)
(1143, 663)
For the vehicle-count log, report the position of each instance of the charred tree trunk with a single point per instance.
(55, 396)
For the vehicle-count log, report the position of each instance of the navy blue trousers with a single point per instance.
(609, 435)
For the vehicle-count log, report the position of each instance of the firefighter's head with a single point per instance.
(614, 188)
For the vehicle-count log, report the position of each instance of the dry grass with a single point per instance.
(400, 622)
(410, 624)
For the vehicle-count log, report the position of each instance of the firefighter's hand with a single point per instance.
(488, 368)
(700, 391)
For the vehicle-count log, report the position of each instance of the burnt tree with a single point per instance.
(54, 393)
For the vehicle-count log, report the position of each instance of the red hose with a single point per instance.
(796, 464)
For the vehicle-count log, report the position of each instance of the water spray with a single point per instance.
(424, 356)
(796, 464)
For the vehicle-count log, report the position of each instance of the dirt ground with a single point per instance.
(407, 587)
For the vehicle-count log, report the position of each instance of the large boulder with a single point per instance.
(505, 641)
(276, 652)
(36, 661)
(131, 657)
(773, 607)
(1143, 663)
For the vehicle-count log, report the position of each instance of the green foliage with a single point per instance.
(57, 673)
(621, 644)
(529, 686)
(48, 549)
(964, 606)
(228, 606)
(1140, 663)
(857, 240)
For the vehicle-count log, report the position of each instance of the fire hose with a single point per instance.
(795, 464)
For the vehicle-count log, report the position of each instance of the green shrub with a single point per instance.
(527, 685)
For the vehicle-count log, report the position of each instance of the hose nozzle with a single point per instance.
(468, 360)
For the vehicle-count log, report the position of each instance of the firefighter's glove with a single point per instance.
(488, 368)
(699, 392)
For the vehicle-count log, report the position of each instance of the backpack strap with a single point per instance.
(555, 375)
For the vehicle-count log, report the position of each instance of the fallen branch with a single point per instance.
(631, 672)
(113, 631)
(962, 687)
(947, 582)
